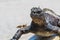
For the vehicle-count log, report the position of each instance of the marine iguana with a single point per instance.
(43, 24)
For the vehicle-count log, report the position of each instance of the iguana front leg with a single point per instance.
(19, 33)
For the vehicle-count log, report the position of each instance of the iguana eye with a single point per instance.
(37, 12)
(33, 12)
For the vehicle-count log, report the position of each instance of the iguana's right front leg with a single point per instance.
(20, 32)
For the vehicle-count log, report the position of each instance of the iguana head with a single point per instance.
(35, 11)
(35, 15)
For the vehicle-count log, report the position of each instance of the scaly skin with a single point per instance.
(43, 24)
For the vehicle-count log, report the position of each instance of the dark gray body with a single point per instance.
(48, 25)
